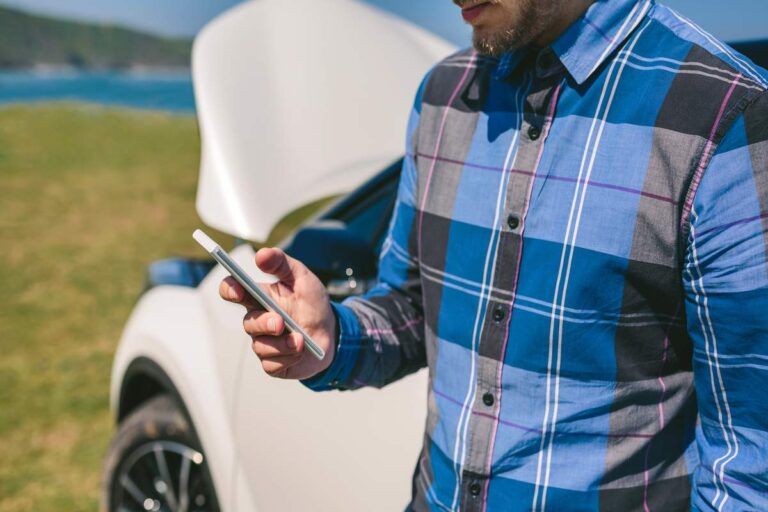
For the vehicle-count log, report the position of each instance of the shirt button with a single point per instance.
(534, 133)
(474, 488)
(488, 399)
(513, 221)
(498, 313)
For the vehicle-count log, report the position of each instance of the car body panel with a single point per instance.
(169, 327)
(302, 450)
(298, 101)
(198, 341)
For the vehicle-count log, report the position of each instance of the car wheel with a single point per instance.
(156, 463)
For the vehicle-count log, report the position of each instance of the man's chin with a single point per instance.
(494, 45)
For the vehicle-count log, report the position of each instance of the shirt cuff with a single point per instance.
(337, 375)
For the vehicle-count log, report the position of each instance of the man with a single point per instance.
(578, 255)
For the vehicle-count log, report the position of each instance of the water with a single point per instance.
(171, 91)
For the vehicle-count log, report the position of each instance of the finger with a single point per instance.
(259, 322)
(232, 291)
(267, 347)
(274, 261)
(277, 366)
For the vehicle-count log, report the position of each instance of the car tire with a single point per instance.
(155, 445)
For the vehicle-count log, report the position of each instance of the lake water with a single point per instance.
(170, 91)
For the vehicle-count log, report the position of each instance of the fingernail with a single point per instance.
(291, 342)
(272, 324)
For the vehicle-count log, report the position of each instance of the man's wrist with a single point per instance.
(333, 330)
(346, 345)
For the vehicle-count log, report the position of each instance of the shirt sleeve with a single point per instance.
(725, 278)
(381, 334)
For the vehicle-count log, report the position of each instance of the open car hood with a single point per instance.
(299, 100)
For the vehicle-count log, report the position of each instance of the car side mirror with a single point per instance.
(343, 261)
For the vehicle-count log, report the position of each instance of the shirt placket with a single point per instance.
(483, 424)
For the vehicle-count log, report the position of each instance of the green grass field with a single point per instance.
(88, 197)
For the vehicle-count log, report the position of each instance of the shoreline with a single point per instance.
(159, 89)
(46, 69)
(78, 104)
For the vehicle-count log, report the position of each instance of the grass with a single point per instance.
(88, 197)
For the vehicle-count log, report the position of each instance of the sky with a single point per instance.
(733, 20)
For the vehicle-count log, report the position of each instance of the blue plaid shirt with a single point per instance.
(578, 255)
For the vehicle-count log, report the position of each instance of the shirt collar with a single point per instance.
(589, 40)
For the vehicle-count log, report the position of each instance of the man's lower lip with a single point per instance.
(473, 12)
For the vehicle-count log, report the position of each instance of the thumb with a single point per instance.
(274, 261)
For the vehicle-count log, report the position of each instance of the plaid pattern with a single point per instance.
(578, 255)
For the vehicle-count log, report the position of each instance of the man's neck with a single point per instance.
(570, 11)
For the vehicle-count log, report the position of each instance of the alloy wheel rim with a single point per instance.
(162, 476)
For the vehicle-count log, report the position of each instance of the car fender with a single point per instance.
(171, 328)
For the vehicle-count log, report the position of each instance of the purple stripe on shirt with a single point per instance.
(746, 220)
(598, 30)
(552, 177)
(538, 430)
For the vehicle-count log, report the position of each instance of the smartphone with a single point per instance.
(253, 289)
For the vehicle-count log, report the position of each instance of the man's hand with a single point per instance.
(301, 294)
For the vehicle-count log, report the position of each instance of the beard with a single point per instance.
(533, 17)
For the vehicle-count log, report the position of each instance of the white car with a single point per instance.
(296, 101)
